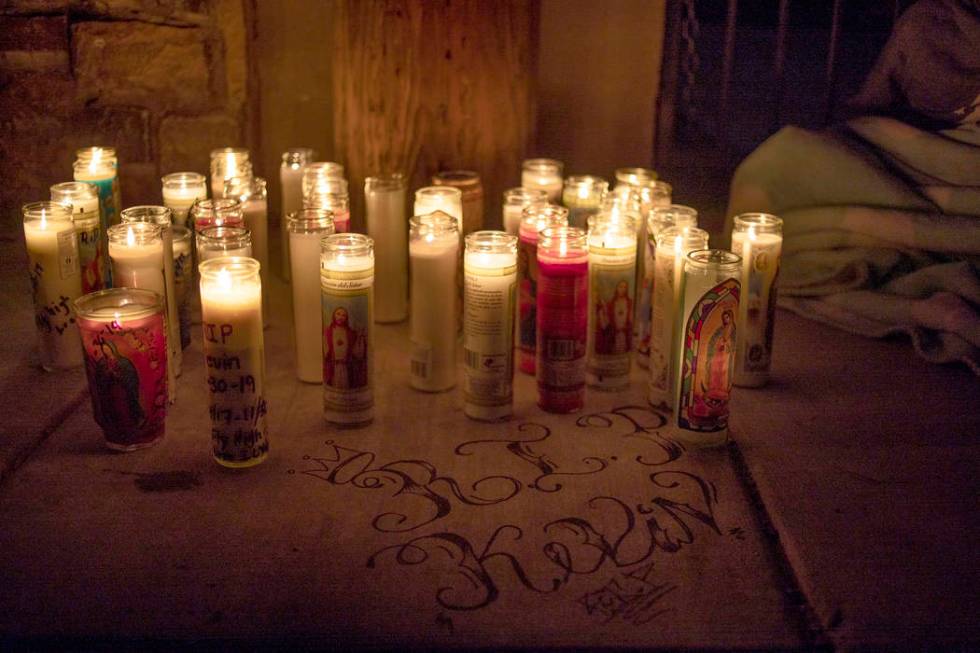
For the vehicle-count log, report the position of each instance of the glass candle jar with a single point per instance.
(294, 160)
(673, 245)
(183, 278)
(583, 195)
(433, 253)
(347, 283)
(227, 162)
(634, 176)
(534, 220)
(251, 193)
(217, 213)
(384, 200)
(704, 355)
(490, 281)
(305, 229)
(56, 280)
(180, 190)
(215, 242)
(99, 165)
(543, 174)
(338, 203)
(234, 353)
(758, 239)
(447, 199)
(136, 254)
(515, 201)
(562, 318)
(321, 175)
(471, 195)
(83, 199)
(123, 335)
(612, 285)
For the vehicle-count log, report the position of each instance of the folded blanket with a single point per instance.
(881, 228)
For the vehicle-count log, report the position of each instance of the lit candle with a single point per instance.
(534, 220)
(99, 166)
(545, 174)
(332, 196)
(562, 320)
(183, 278)
(320, 175)
(347, 282)
(163, 218)
(490, 270)
(612, 284)
(227, 162)
(384, 199)
(758, 239)
(633, 176)
(83, 198)
(471, 196)
(52, 263)
(515, 201)
(291, 186)
(433, 253)
(180, 190)
(447, 199)
(234, 353)
(703, 357)
(123, 334)
(217, 213)
(658, 219)
(583, 197)
(673, 244)
(215, 242)
(306, 228)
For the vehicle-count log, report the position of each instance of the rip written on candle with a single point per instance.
(219, 333)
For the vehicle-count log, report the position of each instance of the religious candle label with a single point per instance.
(562, 335)
(759, 314)
(644, 301)
(527, 284)
(708, 359)
(661, 329)
(487, 337)
(236, 393)
(67, 253)
(612, 283)
(347, 325)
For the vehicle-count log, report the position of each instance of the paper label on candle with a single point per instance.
(67, 254)
(611, 286)
(708, 359)
(527, 286)
(421, 365)
(237, 403)
(347, 326)
(90, 254)
(487, 337)
(760, 271)
(562, 334)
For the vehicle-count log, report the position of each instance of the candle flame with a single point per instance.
(224, 279)
(583, 192)
(429, 237)
(562, 248)
(115, 320)
(130, 237)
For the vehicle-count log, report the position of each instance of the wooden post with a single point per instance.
(421, 86)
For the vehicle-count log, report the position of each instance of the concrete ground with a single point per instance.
(843, 515)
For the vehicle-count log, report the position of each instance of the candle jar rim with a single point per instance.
(180, 233)
(183, 179)
(764, 223)
(348, 244)
(575, 239)
(456, 178)
(550, 214)
(582, 180)
(160, 215)
(144, 233)
(218, 153)
(223, 208)
(237, 267)
(436, 223)
(83, 165)
(245, 187)
(385, 181)
(298, 156)
(223, 238)
(631, 175)
(491, 242)
(718, 259)
(525, 195)
(310, 220)
(690, 235)
(326, 201)
(46, 210)
(332, 168)
(65, 191)
(672, 212)
(438, 191)
(543, 164)
(624, 221)
(106, 153)
(131, 303)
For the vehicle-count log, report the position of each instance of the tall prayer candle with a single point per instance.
(515, 201)
(234, 354)
(612, 285)
(338, 203)
(183, 278)
(703, 357)
(471, 196)
(215, 242)
(758, 239)
(534, 220)
(251, 192)
(180, 190)
(347, 282)
(545, 174)
(319, 175)
(433, 246)
(123, 334)
(563, 313)
(490, 270)
(291, 186)
(99, 166)
(305, 229)
(227, 162)
(440, 198)
(673, 244)
(384, 199)
(582, 196)
(52, 263)
(83, 198)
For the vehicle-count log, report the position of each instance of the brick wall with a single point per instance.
(164, 81)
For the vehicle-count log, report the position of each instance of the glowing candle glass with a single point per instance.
(83, 198)
(180, 190)
(291, 186)
(582, 196)
(320, 175)
(338, 203)
(440, 198)
(515, 201)
(227, 162)
(183, 278)
(544, 174)
(215, 242)
(251, 193)
(217, 213)
(471, 196)
(305, 228)
(384, 199)
(99, 166)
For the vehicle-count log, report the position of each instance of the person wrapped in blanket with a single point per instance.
(882, 214)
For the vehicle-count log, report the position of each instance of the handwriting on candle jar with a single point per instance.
(212, 332)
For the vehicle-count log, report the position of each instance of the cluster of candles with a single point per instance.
(581, 281)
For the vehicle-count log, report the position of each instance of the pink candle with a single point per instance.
(562, 318)
(535, 218)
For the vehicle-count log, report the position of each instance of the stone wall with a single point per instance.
(164, 81)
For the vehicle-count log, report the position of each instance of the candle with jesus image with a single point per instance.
(347, 284)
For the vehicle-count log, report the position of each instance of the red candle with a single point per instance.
(535, 218)
(562, 318)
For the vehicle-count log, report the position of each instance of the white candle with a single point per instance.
(83, 198)
(52, 257)
(180, 190)
(227, 163)
(305, 229)
(612, 284)
(338, 203)
(234, 353)
(582, 196)
(490, 270)
(515, 201)
(347, 300)
(447, 199)
(291, 187)
(325, 176)
(215, 242)
(433, 254)
(183, 277)
(757, 238)
(384, 199)
(544, 174)
(673, 244)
